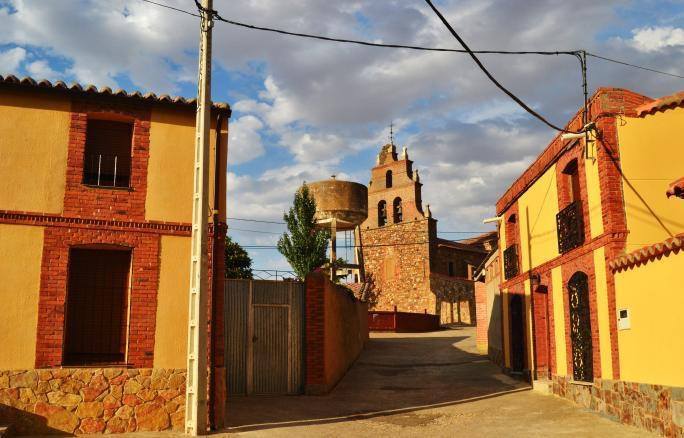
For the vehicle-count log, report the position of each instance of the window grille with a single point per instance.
(107, 160)
(510, 262)
(570, 227)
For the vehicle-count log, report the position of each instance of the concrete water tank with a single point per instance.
(345, 201)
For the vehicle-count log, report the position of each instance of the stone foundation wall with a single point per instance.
(655, 408)
(92, 400)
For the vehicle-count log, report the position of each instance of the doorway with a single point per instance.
(517, 325)
(96, 307)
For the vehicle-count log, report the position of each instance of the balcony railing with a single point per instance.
(570, 225)
(510, 256)
(106, 170)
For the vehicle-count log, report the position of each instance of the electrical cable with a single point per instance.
(594, 55)
(424, 48)
(171, 7)
(491, 77)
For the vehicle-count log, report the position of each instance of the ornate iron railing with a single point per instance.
(580, 328)
(570, 226)
(510, 255)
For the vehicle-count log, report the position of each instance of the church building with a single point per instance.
(414, 270)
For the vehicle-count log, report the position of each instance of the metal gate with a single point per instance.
(264, 336)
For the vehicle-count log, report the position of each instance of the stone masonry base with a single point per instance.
(655, 408)
(92, 400)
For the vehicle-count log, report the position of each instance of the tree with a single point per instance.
(238, 262)
(305, 245)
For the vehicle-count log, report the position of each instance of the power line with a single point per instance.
(253, 231)
(491, 77)
(255, 220)
(634, 65)
(410, 47)
(171, 7)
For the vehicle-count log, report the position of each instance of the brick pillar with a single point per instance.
(481, 319)
(216, 326)
(315, 334)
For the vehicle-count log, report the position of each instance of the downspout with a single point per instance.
(215, 284)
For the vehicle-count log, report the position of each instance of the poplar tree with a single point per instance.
(303, 245)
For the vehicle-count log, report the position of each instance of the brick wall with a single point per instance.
(336, 330)
(481, 338)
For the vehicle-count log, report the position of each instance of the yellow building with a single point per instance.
(591, 262)
(95, 222)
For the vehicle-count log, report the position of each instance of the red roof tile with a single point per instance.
(662, 104)
(103, 91)
(647, 254)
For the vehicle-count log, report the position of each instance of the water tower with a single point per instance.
(341, 206)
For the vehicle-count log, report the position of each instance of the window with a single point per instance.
(397, 213)
(451, 269)
(96, 307)
(388, 179)
(107, 159)
(572, 182)
(382, 213)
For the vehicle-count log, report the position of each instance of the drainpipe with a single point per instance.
(215, 283)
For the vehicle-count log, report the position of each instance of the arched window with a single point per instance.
(382, 213)
(388, 179)
(397, 213)
(580, 327)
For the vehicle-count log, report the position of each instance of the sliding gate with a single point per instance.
(264, 336)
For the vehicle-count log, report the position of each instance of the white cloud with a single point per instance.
(245, 142)
(11, 59)
(41, 69)
(651, 39)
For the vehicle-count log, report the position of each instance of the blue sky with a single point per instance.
(304, 110)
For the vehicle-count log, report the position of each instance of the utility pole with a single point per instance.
(196, 382)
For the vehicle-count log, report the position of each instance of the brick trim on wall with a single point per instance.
(145, 251)
(584, 264)
(315, 334)
(105, 203)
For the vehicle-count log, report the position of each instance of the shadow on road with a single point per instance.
(395, 374)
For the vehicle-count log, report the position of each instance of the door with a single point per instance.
(517, 312)
(270, 349)
(541, 333)
(580, 328)
(264, 336)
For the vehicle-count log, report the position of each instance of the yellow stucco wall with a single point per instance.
(33, 151)
(537, 209)
(19, 292)
(170, 342)
(652, 152)
(603, 313)
(593, 192)
(652, 351)
(559, 321)
(170, 167)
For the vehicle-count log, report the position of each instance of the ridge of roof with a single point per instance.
(76, 87)
(460, 245)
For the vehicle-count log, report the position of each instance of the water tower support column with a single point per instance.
(333, 248)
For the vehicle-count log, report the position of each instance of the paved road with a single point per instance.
(431, 385)
(418, 385)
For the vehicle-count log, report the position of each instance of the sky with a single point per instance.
(304, 110)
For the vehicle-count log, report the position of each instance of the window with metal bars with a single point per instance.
(107, 158)
(510, 255)
(96, 308)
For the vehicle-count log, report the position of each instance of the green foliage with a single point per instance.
(238, 262)
(304, 245)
